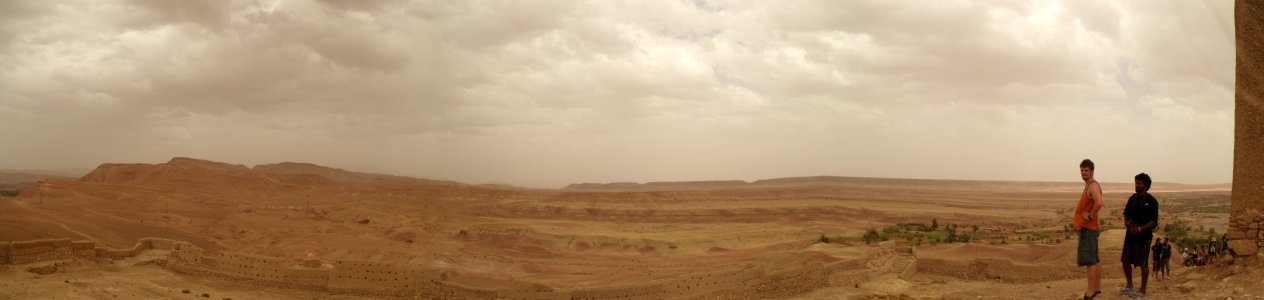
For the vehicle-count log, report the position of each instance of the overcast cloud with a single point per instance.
(545, 93)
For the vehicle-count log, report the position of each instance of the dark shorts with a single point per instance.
(1086, 255)
(1135, 252)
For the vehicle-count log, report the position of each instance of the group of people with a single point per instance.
(1141, 217)
(1162, 253)
(1201, 256)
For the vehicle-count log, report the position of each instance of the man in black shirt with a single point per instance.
(1141, 216)
(1167, 259)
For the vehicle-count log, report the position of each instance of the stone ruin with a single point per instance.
(1247, 216)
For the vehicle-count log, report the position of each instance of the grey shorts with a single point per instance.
(1135, 252)
(1086, 255)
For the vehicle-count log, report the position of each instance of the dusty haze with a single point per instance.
(547, 94)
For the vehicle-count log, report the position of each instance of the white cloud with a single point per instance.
(548, 93)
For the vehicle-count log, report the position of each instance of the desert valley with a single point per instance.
(197, 228)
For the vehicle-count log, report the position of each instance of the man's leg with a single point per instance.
(1127, 273)
(1126, 257)
(1095, 278)
(1145, 277)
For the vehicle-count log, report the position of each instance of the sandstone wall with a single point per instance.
(1247, 216)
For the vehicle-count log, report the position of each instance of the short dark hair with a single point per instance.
(1144, 178)
(1086, 163)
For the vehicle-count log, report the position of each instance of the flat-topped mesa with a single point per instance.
(179, 172)
(191, 173)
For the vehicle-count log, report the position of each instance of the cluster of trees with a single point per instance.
(1186, 236)
(918, 233)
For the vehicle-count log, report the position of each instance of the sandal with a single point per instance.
(1087, 297)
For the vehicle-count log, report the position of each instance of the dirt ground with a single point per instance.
(589, 236)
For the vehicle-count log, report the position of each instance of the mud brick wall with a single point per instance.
(375, 276)
(531, 291)
(84, 249)
(1245, 234)
(247, 266)
(780, 284)
(4, 253)
(21, 252)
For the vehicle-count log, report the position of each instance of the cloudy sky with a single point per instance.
(546, 93)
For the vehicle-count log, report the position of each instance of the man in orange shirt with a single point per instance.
(1090, 227)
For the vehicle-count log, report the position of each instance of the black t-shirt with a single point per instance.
(1142, 209)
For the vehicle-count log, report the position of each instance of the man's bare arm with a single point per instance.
(1095, 191)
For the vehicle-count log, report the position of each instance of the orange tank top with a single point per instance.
(1084, 206)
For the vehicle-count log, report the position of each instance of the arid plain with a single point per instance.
(804, 237)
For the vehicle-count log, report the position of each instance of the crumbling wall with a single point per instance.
(786, 283)
(4, 253)
(183, 253)
(160, 243)
(531, 291)
(21, 252)
(83, 249)
(1247, 216)
(379, 277)
(122, 253)
(247, 266)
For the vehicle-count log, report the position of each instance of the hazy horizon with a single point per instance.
(554, 93)
(78, 172)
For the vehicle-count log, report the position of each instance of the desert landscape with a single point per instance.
(296, 230)
(620, 150)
